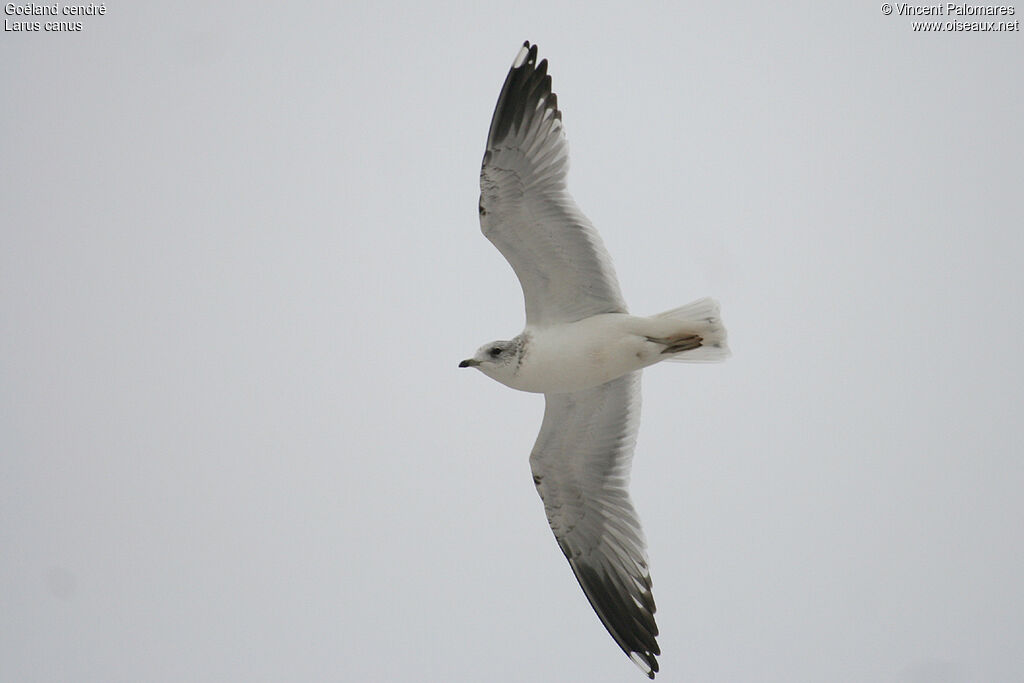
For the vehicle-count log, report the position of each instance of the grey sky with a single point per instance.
(241, 259)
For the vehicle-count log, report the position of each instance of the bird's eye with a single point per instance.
(495, 352)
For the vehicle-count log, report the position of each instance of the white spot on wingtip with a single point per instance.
(521, 57)
(642, 664)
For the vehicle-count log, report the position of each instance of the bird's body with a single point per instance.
(569, 357)
(582, 354)
(583, 350)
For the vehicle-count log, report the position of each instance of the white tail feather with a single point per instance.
(700, 317)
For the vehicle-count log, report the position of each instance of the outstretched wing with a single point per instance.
(581, 464)
(527, 211)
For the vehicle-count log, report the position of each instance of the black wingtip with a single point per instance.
(527, 85)
(634, 630)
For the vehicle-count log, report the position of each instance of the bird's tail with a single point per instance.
(694, 333)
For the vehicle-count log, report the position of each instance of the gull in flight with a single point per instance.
(582, 350)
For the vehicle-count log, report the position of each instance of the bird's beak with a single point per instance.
(469, 363)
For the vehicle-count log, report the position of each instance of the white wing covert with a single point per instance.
(526, 210)
(581, 465)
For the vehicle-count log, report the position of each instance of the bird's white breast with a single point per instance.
(583, 354)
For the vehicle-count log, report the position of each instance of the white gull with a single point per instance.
(582, 350)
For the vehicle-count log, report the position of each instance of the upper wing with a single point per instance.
(527, 212)
(581, 464)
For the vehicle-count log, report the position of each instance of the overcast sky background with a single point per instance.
(240, 260)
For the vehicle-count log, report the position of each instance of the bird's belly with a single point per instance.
(582, 355)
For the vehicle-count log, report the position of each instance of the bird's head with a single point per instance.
(498, 360)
